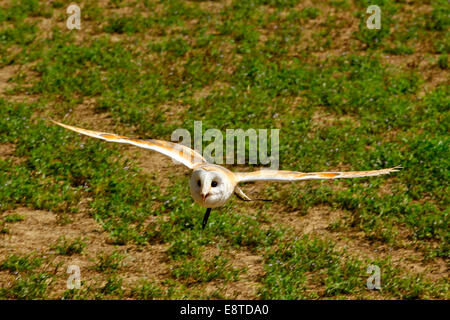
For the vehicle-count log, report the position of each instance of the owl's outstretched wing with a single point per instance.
(279, 175)
(178, 152)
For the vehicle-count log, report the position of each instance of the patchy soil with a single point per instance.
(7, 151)
(40, 230)
(318, 220)
(248, 284)
(6, 73)
(321, 118)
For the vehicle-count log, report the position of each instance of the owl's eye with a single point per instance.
(214, 184)
(199, 183)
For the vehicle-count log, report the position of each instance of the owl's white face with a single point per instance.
(210, 189)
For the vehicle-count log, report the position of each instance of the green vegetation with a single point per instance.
(109, 262)
(13, 218)
(68, 247)
(15, 263)
(344, 98)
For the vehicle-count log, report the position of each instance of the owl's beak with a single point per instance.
(204, 196)
(204, 192)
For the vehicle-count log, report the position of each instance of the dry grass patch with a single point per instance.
(321, 118)
(404, 255)
(32, 235)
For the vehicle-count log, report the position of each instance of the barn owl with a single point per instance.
(212, 185)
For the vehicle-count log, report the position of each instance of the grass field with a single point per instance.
(343, 96)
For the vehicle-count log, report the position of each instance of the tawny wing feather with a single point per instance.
(178, 152)
(277, 175)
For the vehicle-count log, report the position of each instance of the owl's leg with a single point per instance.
(241, 195)
(205, 218)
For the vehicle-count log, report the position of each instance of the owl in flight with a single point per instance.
(212, 185)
